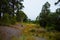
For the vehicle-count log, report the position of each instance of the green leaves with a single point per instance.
(21, 16)
(5, 19)
(8, 8)
(43, 17)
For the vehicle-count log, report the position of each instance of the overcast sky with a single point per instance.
(33, 7)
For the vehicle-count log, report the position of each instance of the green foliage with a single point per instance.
(7, 9)
(49, 19)
(54, 19)
(13, 20)
(37, 20)
(43, 17)
(21, 16)
(5, 19)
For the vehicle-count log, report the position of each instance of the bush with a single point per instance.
(43, 23)
(13, 20)
(50, 27)
(5, 19)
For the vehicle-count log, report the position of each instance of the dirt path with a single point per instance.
(14, 30)
(7, 32)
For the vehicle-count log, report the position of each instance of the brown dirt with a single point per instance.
(14, 30)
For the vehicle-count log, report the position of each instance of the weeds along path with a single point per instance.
(31, 30)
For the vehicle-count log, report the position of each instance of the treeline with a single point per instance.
(48, 19)
(11, 12)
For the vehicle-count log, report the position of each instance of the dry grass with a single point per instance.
(37, 31)
(40, 32)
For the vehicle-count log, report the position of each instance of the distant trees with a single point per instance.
(37, 20)
(50, 20)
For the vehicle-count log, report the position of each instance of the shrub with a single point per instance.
(13, 20)
(5, 19)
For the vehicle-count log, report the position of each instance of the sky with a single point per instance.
(32, 8)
